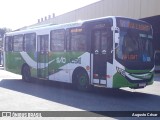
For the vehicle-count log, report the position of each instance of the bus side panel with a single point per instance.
(13, 62)
(30, 59)
(58, 66)
(82, 61)
(64, 63)
(33, 70)
(111, 70)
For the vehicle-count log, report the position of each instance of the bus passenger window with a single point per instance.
(18, 43)
(57, 40)
(44, 43)
(78, 40)
(30, 42)
(8, 43)
(68, 44)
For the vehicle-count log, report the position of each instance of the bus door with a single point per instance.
(101, 50)
(42, 61)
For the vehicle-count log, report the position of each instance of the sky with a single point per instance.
(15, 14)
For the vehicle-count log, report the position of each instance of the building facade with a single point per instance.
(147, 10)
(137, 9)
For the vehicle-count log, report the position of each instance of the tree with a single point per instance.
(3, 31)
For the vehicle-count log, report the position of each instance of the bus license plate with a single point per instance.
(142, 84)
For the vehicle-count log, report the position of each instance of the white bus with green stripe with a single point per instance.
(111, 52)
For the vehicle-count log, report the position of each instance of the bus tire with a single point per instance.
(81, 80)
(26, 74)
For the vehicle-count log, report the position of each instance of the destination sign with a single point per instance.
(130, 57)
(134, 25)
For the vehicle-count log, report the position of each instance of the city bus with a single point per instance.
(110, 52)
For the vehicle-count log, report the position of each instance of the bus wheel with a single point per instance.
(81, 80)
(26, 74)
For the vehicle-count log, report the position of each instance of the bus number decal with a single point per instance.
(76, 61)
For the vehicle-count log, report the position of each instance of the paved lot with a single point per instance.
(17, 95)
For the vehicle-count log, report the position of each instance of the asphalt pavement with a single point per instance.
(17, 95)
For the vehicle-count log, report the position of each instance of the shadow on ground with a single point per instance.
(98, 99)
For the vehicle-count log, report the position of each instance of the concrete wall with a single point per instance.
(129, 8)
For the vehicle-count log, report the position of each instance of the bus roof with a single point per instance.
(49, 27)
(53, 26)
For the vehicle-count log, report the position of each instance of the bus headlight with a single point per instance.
(121, 71)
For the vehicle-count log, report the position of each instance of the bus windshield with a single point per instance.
(135, 48)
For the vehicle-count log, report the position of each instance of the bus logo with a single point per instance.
(61, 60)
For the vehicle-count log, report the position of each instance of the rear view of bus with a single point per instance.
(134, 56)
